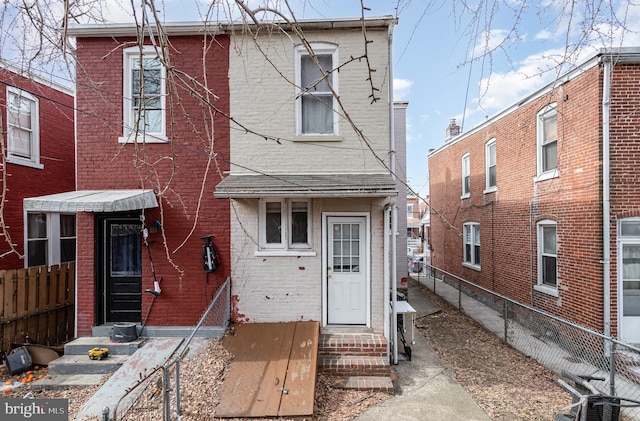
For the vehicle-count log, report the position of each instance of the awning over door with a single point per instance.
(92, 201)
(301, 185)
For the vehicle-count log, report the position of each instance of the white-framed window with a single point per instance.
(50, 238)
(547, 254)
(144, 84)
(466, 175)
(285, 224)
(316, 83)
(23, 130)
(410, 210)
(471, 234)
(490, 165)
(547, 142)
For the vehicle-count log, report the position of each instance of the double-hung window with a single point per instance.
(285, 224)
(316, 84)
(471, 234)
(50, 239)
(466, 176)
(547, 133)
(23, 136)
(491, 168)
(547, 255)
(144, 96)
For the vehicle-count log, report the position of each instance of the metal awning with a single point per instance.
(313, 185)
(92, 201)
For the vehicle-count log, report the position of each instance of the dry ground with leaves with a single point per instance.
(505, 383)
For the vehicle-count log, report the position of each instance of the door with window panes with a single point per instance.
(629, 279)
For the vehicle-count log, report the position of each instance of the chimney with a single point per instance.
(453, 130)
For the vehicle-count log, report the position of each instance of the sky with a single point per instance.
(441, 65)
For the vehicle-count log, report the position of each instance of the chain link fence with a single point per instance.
(557, 344)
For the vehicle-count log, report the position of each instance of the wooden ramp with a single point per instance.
(273, 372)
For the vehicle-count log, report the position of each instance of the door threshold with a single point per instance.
(346, 329)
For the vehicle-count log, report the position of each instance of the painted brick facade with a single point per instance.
(56, 125)
(574, 199)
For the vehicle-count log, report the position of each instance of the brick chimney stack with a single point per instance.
(453, 130)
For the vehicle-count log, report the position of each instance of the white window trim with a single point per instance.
(284, 248)
(53, 238)
(317, 48)
(34, 161)
(547, 175)
(129, 134)
(544, 288)
(487, 148)
(470, 225)
(466, 171)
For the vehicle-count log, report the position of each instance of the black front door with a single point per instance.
(122, 270)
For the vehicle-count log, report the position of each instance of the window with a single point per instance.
(471, 233)
(284, 224)
(466, 176)
(490, 160)
(547, 128)
(547, 254)
(410, 210)
(51, 239)
(315, 80)
(23, 137)
(144, 96)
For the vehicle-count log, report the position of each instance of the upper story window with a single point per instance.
(466, 175)
(285, 224)
(144, 96)
(316, 83)
(547, 133)
(490, 163)
(547, 255)
(23, 135)
(410, 210)
(51, 239)
(471, 234)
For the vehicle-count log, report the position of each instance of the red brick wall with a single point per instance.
(56, 155)
(508, 217)
(177, 172)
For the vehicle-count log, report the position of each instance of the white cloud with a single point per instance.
(401, 89)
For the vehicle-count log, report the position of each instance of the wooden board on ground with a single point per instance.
(273, 372)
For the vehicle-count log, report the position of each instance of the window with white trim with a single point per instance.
(547, 254)
(410, 210)
(547, 134)
(285, 224)
(471, 235)
(466, 175)
(144, 96)
(23, 134)
(50, 239)
(316, 83)
(490, 163)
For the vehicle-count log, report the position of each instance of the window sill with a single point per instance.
(547, 176)
(285, 253)
(545, 289)
(465, 196)
(472, 266)
(491, 190)
(318, 138)
(24, 163)
(147, 138)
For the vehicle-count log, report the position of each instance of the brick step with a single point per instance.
(350, 365)
(356, 344)
(377, 383)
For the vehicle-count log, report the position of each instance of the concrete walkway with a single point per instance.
(425, 389)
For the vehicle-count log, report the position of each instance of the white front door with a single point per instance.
(630, 291)
(347, 260)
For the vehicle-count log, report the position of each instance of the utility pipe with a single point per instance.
(606, 205)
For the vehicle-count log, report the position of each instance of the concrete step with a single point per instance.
(360, 344)
(378, 383)
(81, 346)
(82, 364)
(63, 381)
(349, 365)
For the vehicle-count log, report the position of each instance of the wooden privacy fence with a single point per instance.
(37, 305)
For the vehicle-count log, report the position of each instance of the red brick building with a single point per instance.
(541, 202)
(37, 159)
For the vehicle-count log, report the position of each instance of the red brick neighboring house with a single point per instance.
(541, 202)
(38, 159)
(160, 178)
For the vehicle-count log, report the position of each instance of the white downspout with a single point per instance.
(606, 205)
(386, 270)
